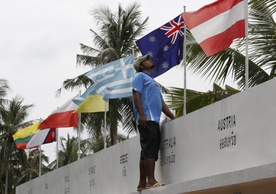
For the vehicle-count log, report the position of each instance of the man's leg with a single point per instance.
(150, 168)
(143, 174)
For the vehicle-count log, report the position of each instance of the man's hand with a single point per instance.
(142, 120)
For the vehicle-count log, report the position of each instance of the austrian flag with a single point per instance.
(216, 25)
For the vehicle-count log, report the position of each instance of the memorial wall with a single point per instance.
(230, 135)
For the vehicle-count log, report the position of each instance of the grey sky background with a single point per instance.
(39, 41)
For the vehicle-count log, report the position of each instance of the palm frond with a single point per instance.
(230, 63)
(196, 99)
(70, 84)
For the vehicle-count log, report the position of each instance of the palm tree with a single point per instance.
(11, 167)
(3, 91)
(29, 168)
(196, 99)
(13, 114)
(262, 50)
(116, 39)
(69, 151)
(262, 58)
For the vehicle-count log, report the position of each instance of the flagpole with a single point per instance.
(79, 136)
(79, 129)
(246, 44)
(28, 153)
(39, 160)
(105, 131)
(185, 68)
(57, 146)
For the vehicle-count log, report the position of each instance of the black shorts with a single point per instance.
(149, 140)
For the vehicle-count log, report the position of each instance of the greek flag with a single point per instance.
(113, 80)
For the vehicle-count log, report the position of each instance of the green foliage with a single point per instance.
(13, 113)
(195, 99)
(115, 38)
(231, 62)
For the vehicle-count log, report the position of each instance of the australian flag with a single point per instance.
(164, 45)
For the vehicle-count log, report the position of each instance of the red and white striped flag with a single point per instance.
(216, 25)
(62, 117)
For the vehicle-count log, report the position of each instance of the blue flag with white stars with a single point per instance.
(164, 45)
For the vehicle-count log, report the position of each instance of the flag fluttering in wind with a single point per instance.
(164, 45)
(113, 80)
(62, 117)
(92, 103)
(42, 136)
(216, 25)
(22, 137)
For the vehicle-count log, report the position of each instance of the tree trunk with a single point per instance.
(7, 179)
(113, 134)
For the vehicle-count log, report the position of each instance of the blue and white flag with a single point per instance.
(113, 80)
(164, 45)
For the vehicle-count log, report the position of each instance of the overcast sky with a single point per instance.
(39, 41)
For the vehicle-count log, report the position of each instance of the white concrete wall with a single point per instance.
(114, 170)
(199, 145)
(196, 149)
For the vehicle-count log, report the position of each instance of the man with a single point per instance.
(148, 106)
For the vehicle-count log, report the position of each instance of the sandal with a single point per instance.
(158, 184)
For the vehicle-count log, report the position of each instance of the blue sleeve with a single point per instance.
(138, 83)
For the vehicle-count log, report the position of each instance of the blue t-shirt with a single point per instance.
(151, 96)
